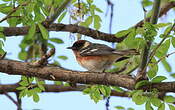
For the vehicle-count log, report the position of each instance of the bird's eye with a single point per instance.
(79, 44)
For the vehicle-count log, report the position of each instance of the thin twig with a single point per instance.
(133, 69)
(107, 103)
(57, 12)
(144, 57)
(18, 101)
(163, 57)
(43, 59)
(3, 56)
(111, 14)
(11, 98)
(155, 49)
(163, 11)
(13, 11)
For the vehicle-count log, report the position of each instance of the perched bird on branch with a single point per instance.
(98, 57)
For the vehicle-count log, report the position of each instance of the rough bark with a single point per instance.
(58, 74)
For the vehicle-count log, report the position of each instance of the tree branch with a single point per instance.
(47, 72)
(55, 88)
(21, 68)
(16, 31)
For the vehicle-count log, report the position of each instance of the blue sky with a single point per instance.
(126, 14)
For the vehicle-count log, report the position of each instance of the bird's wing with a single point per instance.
(100, 49)
(96, 50)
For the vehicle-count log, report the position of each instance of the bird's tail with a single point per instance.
(127, 52)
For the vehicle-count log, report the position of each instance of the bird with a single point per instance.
(96, 57)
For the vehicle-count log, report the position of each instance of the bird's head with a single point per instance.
(80, 44)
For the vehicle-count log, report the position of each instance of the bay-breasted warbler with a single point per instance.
(97, 57)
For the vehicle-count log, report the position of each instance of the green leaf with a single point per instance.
(138, 98)
(131, 41)
(105, 90)
(173, 41)
(119, 107)
(149, 31)
(90, 1)
(24, 78)
(22, 94)
(97, 21)
(61, 17)
(163, 49)
(5, 9)
(173, 75)
(66, 84)
(39, 17)
(147, 3)
(44, 31)
(58, 82)
(45, 11)
(2, 36)
(41, 87)
(1, 51)
(12, 22)
(152, 71)
(168, 36)
(171, 107)
(56, 40)
(141, 83)
(141, 100)
(94, 93)
(31, 32)
(122, 33)
(63, 57)
(87, 91)
(166, 65)
(169, 99)
(158, 79)
(6, 0)
(1, 29)
(50, 45)
(21, 88)
(73, 1)
(36, 90)
(35, 97)
(155, 101)
(30, 79)
(30, 93)
(22, 55)
(167, 30)
(130, 109)
(162, 107)
(118, 89)
(24, 83)
(160, 25)
(88, 21)
(148, 106)
(98, 9)
(48, 2)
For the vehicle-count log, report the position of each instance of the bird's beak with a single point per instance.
(73, 48)
(69, 47)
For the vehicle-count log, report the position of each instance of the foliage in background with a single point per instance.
(85, 13)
